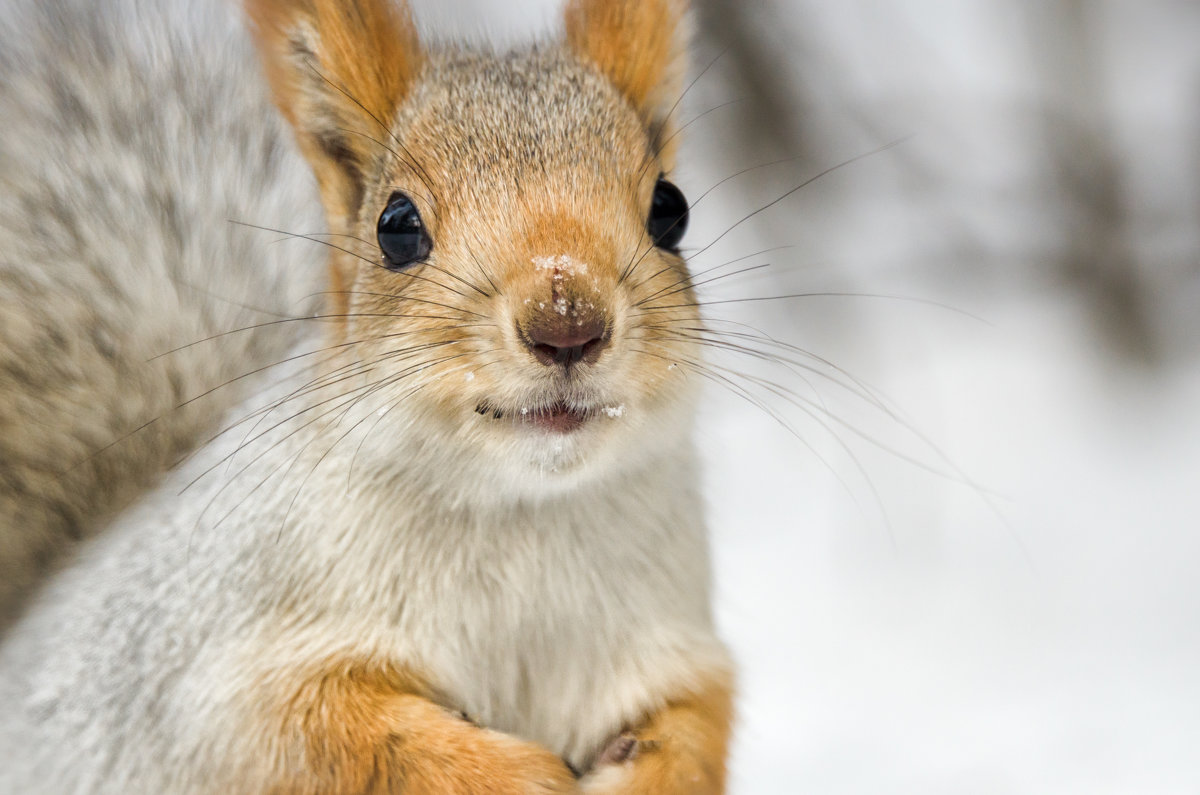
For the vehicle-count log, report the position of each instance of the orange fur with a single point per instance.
(371, 729)
(638, 44)
(339, 70)
(681, 748)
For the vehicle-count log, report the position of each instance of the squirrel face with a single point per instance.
(503, 258)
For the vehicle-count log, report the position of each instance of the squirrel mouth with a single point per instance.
(556, 418)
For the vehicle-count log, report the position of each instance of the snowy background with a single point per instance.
(974, 568)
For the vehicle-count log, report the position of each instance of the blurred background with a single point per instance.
(953, 476)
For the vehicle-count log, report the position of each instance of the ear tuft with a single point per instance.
(339, 70)
(640, 45)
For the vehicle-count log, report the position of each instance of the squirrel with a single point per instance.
(459, 547)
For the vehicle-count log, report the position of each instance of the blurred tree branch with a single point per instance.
(1096, 255)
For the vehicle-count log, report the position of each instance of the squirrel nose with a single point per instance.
(567, 342)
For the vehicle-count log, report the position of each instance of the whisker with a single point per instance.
(351, 396)
(335, 316)
(388, 408)
(955, 476)
(428, 194)
(675, 106)
(311, 238)
(413, 275)
(347, 372)
(229, 481)
(412, 161)
(217, 297)
(823, 294)
(688, 279)
(676, 133)
(801, 186)
(265, 412)
(495, 290)
(856, 386)
(343, 373)
(371, 262)
(790, 365)
(651, 157)
(717, 278)
(387, 382)
(730, 385)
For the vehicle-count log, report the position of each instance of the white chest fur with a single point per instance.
(559, 620)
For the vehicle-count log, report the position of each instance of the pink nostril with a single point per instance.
(566, 343)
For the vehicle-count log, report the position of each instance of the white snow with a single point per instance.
(562, 265)
(952, 653)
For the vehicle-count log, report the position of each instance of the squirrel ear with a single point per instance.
(339, 70)
(640, 45)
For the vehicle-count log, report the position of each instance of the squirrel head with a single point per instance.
(503, 239)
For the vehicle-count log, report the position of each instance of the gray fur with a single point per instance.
(132, 133)
(142, 660)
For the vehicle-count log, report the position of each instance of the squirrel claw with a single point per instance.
(621, 748)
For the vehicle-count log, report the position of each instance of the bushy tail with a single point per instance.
(140, 159)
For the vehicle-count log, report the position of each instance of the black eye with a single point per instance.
(401, 234)
(668, 216)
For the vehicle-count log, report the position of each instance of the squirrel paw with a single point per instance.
(499, 764)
